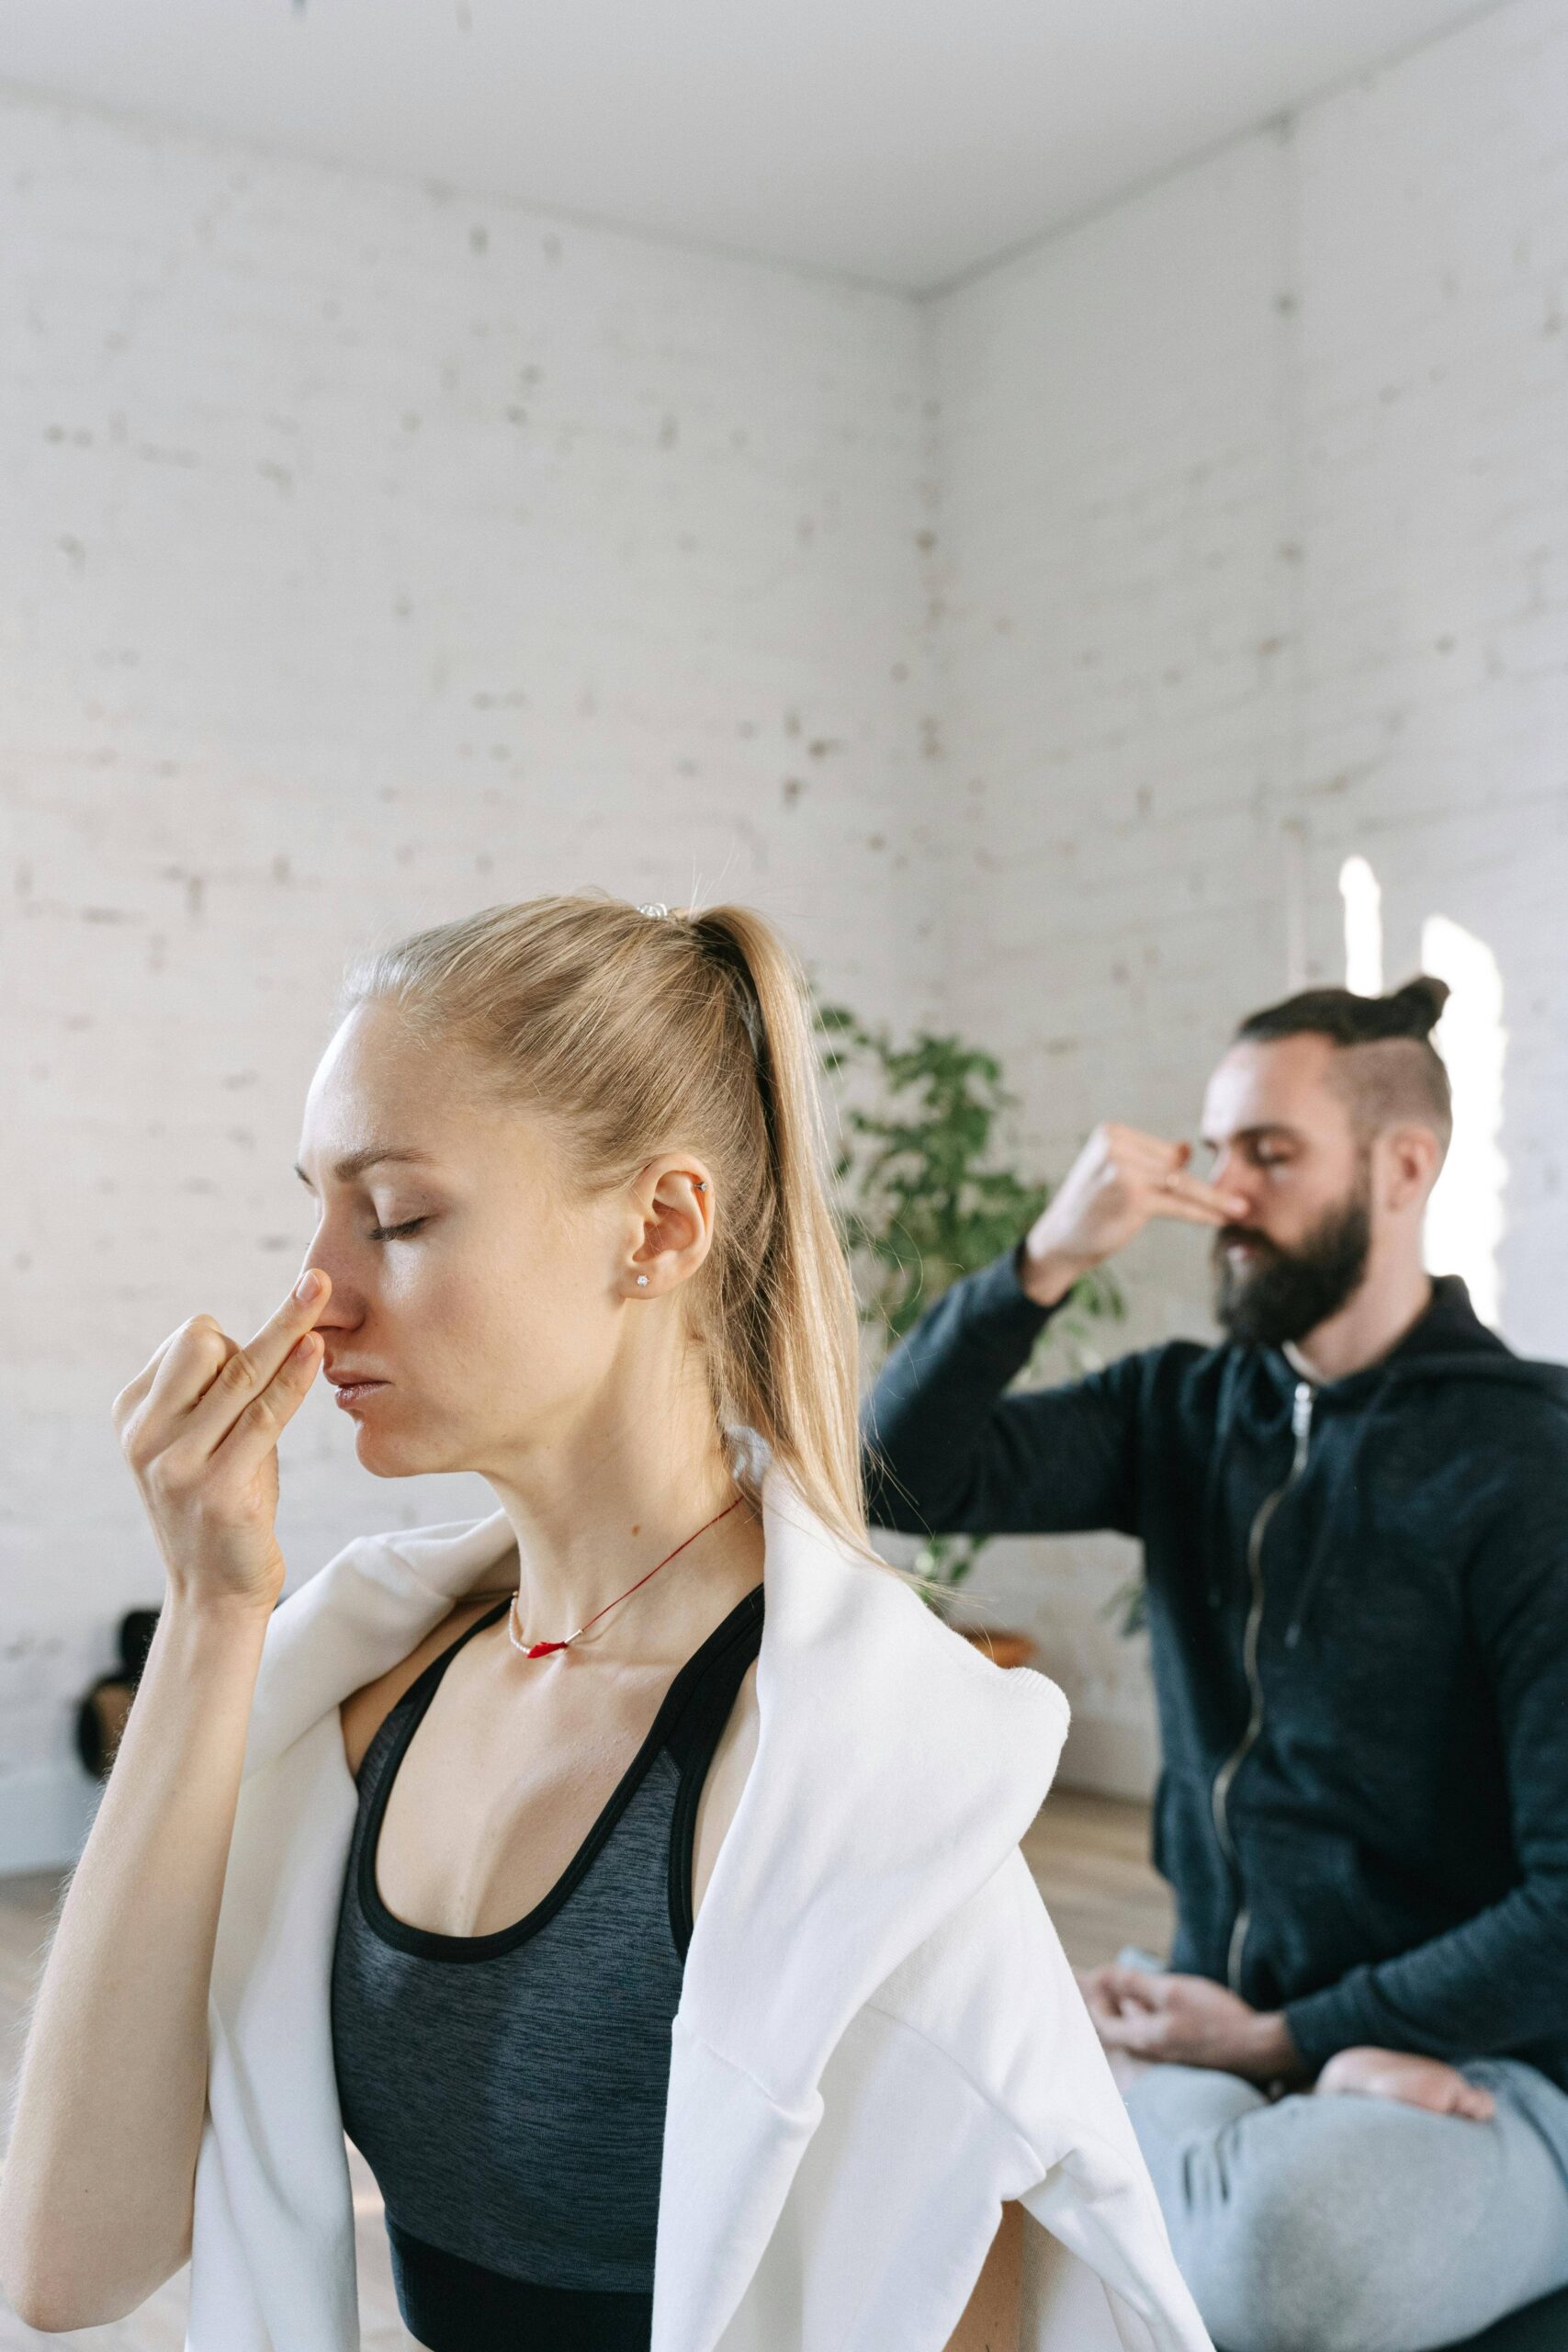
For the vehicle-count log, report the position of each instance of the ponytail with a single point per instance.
(786, 1328)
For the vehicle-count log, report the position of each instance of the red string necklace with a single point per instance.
(543, 1649)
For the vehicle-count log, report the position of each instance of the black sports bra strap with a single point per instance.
(693, 1736)
(697, 1723)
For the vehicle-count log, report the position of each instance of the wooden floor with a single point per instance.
(1089, 1855)
(1090, 1860)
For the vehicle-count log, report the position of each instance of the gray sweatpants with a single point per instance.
(1355, 2225)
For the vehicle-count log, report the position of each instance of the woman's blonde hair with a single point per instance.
(632, 1033)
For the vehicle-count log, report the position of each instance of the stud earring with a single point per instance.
(702, 1183)
(642, 1281)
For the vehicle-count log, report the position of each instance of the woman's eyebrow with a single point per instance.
(354, 1163)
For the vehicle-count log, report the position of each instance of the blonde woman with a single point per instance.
(633, 1872)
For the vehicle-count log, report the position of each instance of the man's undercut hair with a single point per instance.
(1387, 1067)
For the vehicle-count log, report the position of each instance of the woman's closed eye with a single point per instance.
(396, 1232)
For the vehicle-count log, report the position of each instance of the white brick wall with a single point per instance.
(1254, 544)
(375, 553)
(372, 555)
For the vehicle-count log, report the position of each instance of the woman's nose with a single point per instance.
(341, 1310)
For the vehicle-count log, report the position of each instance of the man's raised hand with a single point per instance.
(1120, 1180)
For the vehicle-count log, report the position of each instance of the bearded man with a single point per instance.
(1350, 2078)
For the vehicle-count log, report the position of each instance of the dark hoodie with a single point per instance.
(1369, 1829)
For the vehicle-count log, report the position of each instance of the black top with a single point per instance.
(508, 2090)
(1385, 1856)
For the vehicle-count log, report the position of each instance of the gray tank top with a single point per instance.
(508, 2090)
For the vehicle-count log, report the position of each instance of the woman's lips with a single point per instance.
(354, 1392)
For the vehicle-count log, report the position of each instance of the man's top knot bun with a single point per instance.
(1384, 1086)
(1418, 1005)
(1351, 1019)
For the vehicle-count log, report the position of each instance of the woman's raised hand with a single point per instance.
(199, 1427)
(122, 2004)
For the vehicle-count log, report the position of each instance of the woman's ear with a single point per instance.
(672, 1212)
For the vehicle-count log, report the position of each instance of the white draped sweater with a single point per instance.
(878, 2040)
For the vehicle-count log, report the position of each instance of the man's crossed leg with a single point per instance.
(1320, 2223)
(1399, 2205)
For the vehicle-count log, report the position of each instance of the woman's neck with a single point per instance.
(603, 1505)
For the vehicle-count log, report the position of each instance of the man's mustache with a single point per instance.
(1260, 1241)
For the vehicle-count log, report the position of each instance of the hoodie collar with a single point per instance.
(1447, 1339)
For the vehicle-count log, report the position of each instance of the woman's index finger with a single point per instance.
(265, 1356)
(288, 1324)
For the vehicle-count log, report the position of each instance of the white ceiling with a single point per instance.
(903, 142)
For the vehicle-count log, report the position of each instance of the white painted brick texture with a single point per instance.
(372, 555)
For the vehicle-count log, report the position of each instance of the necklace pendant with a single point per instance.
(545, 1649)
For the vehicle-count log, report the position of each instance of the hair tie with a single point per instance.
(654, 907)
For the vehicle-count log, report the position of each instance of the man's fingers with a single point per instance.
(246, 1373)
(1189, 1196)
(1140, 1988)
(1152, 1161)
(1125, 1143)
(1182, 1185)
(1167, 1167)
(1110, 2007)
(1102, 2010)
(1478, 2104)
(1174, 1206)
(1141, 2031)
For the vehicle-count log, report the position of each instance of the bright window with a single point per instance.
(1464, 1217)
(1363, 927)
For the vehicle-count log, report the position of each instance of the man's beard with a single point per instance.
(1282, 1295)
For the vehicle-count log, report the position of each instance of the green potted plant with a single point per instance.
(923, 1200)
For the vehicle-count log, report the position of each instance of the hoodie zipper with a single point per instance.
(1301, 1424)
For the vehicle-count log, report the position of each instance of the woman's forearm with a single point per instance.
(97, 2192)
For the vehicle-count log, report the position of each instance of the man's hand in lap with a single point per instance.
(1186, 2021)
(1155, 2017)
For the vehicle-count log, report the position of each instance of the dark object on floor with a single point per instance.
(1539, 2327)
(101, 1717)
